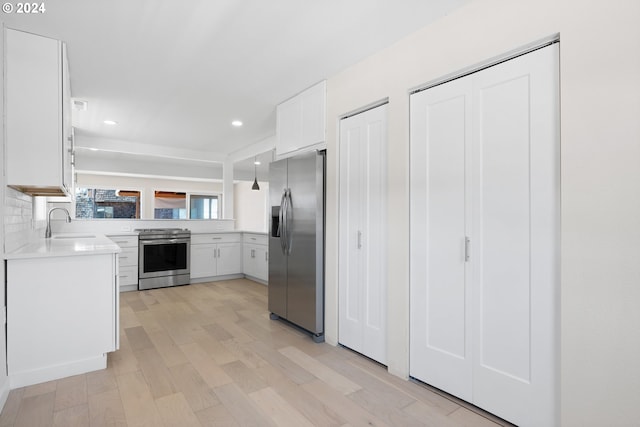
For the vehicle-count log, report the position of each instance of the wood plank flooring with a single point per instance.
(208, 355)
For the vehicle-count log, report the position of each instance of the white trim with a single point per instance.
(83, 142)
(146, 176)
(49, 373)
(362, 109)
(530, 47)
(4, 392)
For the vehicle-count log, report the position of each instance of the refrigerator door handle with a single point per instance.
(282, 227)
(289, 220)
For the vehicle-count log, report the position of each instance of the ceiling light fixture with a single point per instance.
(236, 123)
(110, 122)
(255, 185)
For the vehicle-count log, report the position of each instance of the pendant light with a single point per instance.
(255, 185)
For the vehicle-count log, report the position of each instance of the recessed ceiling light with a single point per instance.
(110, 122)
(236, 123)
(257, 162)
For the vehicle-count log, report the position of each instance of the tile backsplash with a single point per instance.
(19, 224)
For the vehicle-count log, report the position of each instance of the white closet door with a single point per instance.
(362, 268)
(485, 164)
(440, 341)
(516, 216)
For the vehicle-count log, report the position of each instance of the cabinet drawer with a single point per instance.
(125, 241)
(128, 256)
(200, 239)
(128, 275)
(257, 239)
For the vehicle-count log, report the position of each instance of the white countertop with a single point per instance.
(67, 244)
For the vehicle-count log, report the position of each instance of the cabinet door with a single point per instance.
(67, 132)
(33, 110)
(289, 125)
(261, 263)
(313, 114)
(362, 273)
(203, 261)
(256, 261)
(229, 258)
(249, 261)
(301, 120)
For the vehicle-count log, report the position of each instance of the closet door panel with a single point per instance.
(502, 231)
(374, 241)
(440, 295)
(362, 270)
(351, 211)
(516, 211)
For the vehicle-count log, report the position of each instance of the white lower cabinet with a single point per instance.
(484, 211)
(62, 316)
(215, 255)
(128, 261)
(256, 256)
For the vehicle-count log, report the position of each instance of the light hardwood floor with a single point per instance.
(208, 355)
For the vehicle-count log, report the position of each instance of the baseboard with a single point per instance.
(4, 392)
(255, 279)
(50, 373)
(216, 278)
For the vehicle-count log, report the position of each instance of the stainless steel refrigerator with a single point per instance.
(296, 241)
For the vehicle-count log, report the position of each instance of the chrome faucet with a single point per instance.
(47, 233)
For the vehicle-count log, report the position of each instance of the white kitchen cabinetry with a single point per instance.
(216, 255)
(362, 277)
(485, 187)
(62, 316)
(38, 121)
(256, 256)
(301, 120)
(128, 261)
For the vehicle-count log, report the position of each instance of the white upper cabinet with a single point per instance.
(301, 120)
(38, 121)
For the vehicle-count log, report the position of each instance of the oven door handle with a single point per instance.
(163, 241)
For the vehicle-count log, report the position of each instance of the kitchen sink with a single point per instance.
(74, 236)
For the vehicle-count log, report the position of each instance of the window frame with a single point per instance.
(141, 198)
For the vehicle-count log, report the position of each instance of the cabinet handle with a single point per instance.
(266, 256)
(123, 257)
(120, 242)
(216, 238)
(359, 239)
(467, 249)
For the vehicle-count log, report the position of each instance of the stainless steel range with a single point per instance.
(164, 257)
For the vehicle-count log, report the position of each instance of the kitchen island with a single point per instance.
(62, 307)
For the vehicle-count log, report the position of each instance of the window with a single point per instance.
(170, 205)
(107, 203)
(203, 206)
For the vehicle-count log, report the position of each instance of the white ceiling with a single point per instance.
(174, 74)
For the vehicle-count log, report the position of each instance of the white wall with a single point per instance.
(147, 186)
(600, 147)
(251, 206)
